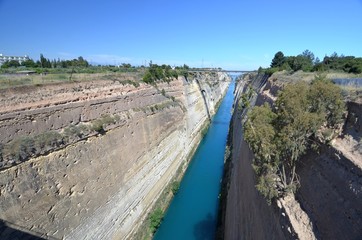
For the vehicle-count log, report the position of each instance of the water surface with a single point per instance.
(193, 211)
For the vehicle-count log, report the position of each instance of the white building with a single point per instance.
(20, 59)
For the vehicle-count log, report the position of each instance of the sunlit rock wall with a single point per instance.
(100, 184)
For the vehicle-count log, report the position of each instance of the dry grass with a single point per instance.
(13, 80)
(350, 93)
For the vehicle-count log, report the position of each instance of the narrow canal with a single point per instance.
(193, 211)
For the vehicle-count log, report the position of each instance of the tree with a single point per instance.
(126, 65)
(11, 63)
(44, 62)
(260, 133)
(29, 63)
(326, 98)
(309, 55)
(279, 138)
(294, 125)
(278, 60)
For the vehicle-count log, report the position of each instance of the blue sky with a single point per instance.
(232, 34)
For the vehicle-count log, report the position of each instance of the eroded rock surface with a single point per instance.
(100, 185)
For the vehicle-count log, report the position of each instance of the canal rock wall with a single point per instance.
(247, 214)
(326, 206)
(113, 147)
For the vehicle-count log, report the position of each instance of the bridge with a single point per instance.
(218, 70)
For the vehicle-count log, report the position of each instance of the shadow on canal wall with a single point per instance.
(11, 231)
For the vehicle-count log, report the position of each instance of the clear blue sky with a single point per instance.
(232, 34)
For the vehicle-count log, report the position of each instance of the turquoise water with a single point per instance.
(193, 211)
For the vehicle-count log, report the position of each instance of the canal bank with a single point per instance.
(193, 211)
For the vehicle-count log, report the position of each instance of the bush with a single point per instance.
(20, 149)
(156, 218)
(175, 187)
(47, 140)
(99, 124)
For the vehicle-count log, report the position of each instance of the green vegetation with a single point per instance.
(48, 140)
(45, 71)
(73, 132)
(303, 115)
(307, 62)
(100, 124)
(46, 63)
(175, 187)
(21, 149)
(244, 101)
(156, 219)
(204, 129)
(163, 73)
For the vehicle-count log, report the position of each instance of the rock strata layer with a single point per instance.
(118, 147)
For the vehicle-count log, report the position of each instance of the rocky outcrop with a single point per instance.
(119, 146)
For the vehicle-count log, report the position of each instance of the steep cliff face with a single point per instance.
(116, 148)
(331, 182)
(247, 215)
(328, 203)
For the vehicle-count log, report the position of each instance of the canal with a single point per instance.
(192, 213)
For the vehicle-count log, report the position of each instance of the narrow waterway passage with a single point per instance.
(193, 211)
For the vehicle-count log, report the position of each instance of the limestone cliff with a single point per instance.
(111, 151)
(328, 203)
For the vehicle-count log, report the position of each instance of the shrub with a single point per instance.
(20, 149)
(156, 218)
(72, 130)
(47, 140)
(204, 130)
(175, 187)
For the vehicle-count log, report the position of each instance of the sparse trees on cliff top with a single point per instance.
(279, 138)
(307, 62)
(278, 60)
(163, 73)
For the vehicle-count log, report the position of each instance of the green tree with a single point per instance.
(156, 218)
(44, 62)
(308, 55)
(326, 98)
(29, 63)
(295, 124)
(279, 138)
(278, 60)
(260, 133)
(11, 63)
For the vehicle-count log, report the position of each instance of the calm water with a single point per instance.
(193, 211)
